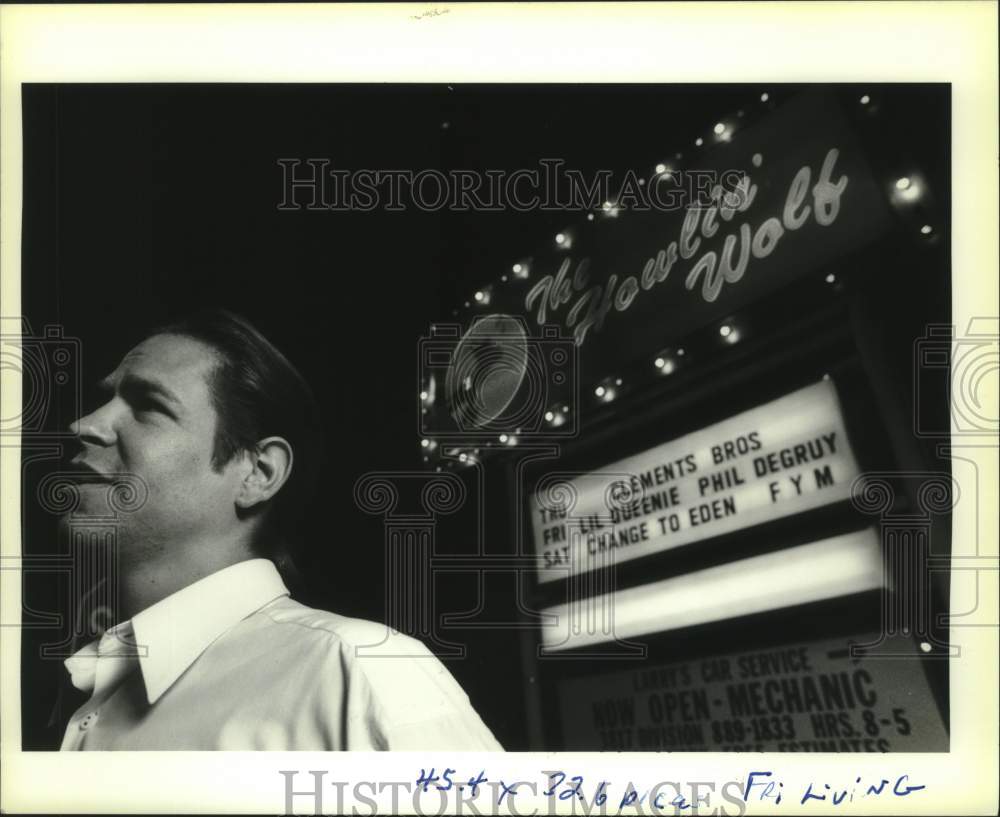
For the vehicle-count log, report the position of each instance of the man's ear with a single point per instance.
(271, 466)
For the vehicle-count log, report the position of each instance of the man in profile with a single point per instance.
(210, 652)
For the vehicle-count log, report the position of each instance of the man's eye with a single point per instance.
(148, 406)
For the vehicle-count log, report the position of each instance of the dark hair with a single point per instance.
(258, 393)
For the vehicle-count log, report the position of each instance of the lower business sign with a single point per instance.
(811, 697)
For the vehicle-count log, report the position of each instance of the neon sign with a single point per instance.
(589, 304)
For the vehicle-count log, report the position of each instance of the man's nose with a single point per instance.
(95, 428)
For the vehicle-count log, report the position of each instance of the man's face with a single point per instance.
(157, 422)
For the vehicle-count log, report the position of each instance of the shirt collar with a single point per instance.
(117, 649)
(171, 634)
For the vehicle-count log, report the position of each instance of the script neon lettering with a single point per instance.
(713, 269)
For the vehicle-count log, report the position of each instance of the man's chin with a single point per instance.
(94, 501)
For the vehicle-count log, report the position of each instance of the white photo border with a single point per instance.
(551, 42)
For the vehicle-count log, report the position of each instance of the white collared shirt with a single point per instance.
(230, 662)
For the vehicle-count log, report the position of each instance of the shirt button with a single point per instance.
(88, 721)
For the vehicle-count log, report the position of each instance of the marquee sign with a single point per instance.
(781, 458)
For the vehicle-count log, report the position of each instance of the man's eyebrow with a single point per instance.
(136, 384)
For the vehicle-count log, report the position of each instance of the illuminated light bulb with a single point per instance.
(425, 443)
(512, 441)
(680, 352)
(831, 278)
(463, 457)
(549, 417)
(907, 189)
(764, 97)
(423, 395)
(503, 279)
(826, 376)
(590, 216)
(661, 168)
(566, 408)
(445, 125)
(926, 229)
(479, 296)
(925, 646)
(600, 391)
(699, 141)
(560, 238)
(606, 206)
(865, 99)
(466, 304)
(503, 438)
(665, 362)
(618, 381)
(517, 269)
(719, 128)
(729, 333)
